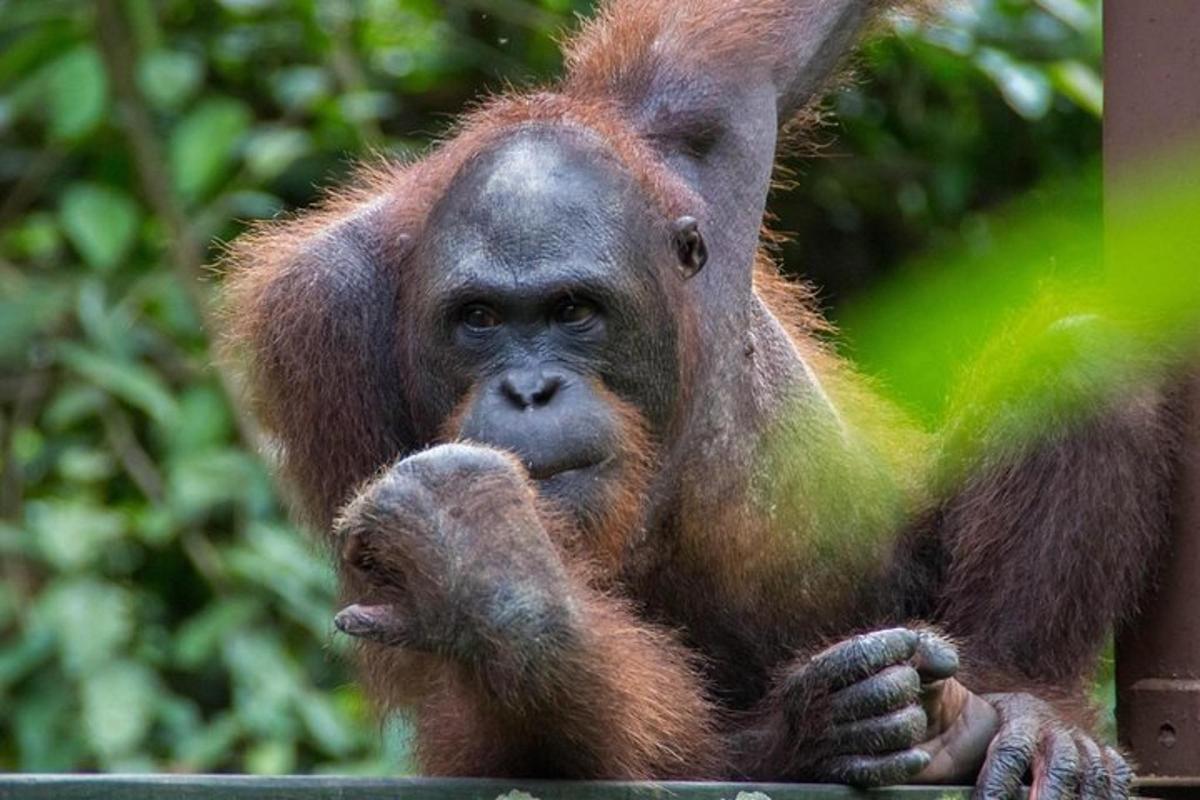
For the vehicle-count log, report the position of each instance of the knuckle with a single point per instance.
(901, 681)
(1012, 753)
(998, 782)
(912, 722)
(1063, 774)
(891, 689)
(461, 460)
(850, 651)
(898, 730)
(854, 771)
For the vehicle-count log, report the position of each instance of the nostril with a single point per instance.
(545, 393)
(513, 393)
(530, 389)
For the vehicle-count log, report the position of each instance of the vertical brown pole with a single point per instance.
(1158, 655)
(1152, 102)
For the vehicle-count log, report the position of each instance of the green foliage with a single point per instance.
(157, 609)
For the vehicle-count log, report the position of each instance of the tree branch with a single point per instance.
(187, 252)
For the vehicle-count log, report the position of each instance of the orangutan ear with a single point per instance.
(689, 246)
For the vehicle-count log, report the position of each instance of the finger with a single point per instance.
(858, 657)
(893, 688)
(868, 771)
(382, 624)
(959, 747)
(382, 560)
(1121, 774)
(1095, 783)
(1056, 767)
(1008, 759)
(899, 730)
(936, 658)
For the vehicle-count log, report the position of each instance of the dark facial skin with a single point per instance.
(548, 282)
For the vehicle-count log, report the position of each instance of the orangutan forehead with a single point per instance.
(541, 169)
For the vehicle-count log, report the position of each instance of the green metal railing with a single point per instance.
(243, 787)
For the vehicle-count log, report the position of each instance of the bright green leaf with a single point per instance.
(1081, 83)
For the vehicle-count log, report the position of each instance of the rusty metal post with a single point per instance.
(1152, 102)
(1158, 656)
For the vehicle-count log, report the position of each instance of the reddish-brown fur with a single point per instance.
(699, 587)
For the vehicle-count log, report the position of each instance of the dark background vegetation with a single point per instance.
(158, 611)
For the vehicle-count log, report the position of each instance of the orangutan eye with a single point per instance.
(575, 313)
(479, 317)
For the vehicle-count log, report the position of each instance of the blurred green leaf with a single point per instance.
(76, 92)
(272, 150)
(204, 144)
(101, 221)
(271, 757)
(265, 684)
(28, 309)
(108, 325)
(199, 482)
(72, 404)
(1024, 88)
(80, 464)
(210, 744)
(204, 421)
(324, 721)
(1081, 83)
(170, 78)
(201, 637)
(71, 533)
(91, 620)
(301, 87)
(24, 656)
(1079, 15)
(35, 237)
(132, 382)
(118, 699)
(42, 724)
